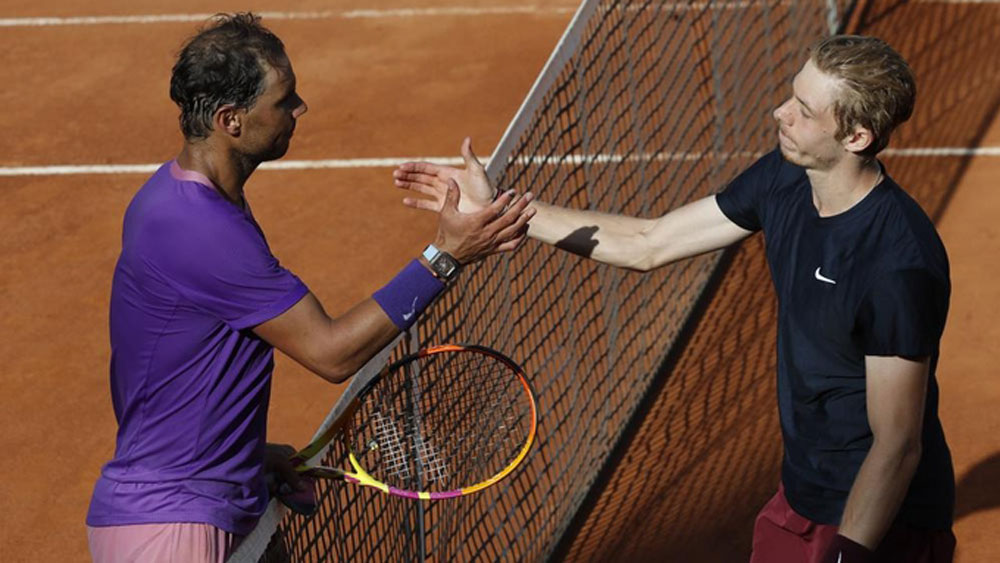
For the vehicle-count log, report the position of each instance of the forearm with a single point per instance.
(633, 243)
(352, 339)
(878, 492)
(332, 347)
(336, 347)
(612, 239)
(369, 326)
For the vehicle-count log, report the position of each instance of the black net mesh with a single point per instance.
(644, 107)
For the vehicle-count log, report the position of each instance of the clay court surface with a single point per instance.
(380, 84)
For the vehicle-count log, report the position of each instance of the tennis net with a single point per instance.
(642, 107)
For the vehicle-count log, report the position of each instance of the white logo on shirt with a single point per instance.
(413, 310)
(823, 278)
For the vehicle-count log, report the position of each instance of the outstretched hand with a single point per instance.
(500, 226)
(429, 179)
(474, 220)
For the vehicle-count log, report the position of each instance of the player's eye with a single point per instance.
(290, 101)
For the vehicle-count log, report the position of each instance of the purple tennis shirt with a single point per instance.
(190, 382)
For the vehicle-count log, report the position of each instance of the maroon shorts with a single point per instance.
(780, 535)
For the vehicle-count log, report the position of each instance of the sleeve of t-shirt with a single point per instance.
(742, 201)
(903, 314)
(222, 265)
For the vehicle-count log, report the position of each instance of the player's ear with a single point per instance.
(859, 140)
(228, 119)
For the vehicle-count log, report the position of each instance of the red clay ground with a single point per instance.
(376, 88)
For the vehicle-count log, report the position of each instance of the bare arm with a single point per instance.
(634, 243)
(896, 391)
(619, 240)
(335, 348)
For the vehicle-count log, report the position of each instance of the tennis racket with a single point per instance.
(445, 422)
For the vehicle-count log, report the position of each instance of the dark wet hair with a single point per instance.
(224, 64)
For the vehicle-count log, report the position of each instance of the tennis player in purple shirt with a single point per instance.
(198, 302)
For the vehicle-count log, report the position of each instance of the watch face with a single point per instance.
(445, 265)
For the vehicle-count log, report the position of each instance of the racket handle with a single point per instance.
(321, 472)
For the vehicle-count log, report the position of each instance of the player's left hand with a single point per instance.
(278, 466)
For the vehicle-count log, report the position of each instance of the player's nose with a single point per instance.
(301, 109)
(781, 112)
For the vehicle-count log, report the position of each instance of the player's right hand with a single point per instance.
(498, 227)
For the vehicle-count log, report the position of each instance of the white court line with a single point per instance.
(391, 162)
(375, 14)
(76, 169)
(944, 151)
(320, 15)
(357, 14)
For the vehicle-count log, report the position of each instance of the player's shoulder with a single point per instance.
(775, 173)
(168, 214)
(911, 241)
(760, 192)
(907, 216)
(168, 201)
(768, 174)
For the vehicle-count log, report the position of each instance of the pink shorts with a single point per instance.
(155, 543)
(780, 535)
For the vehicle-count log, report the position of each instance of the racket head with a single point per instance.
(447, 421)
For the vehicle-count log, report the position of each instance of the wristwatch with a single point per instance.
(442, 264)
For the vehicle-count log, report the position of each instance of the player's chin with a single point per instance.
(791, 155)
(276, 152)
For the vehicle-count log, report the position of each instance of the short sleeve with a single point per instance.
(221, 264)
(903, 314)
(742, 200)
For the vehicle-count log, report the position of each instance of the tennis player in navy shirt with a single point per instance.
(199, 302)
(863, 287)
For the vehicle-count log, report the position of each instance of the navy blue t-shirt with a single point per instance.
(872, 280)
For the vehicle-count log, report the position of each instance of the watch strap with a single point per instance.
(431, 252)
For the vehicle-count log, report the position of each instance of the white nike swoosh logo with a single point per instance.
(413, 309)
(839, 556)
(823, 278)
